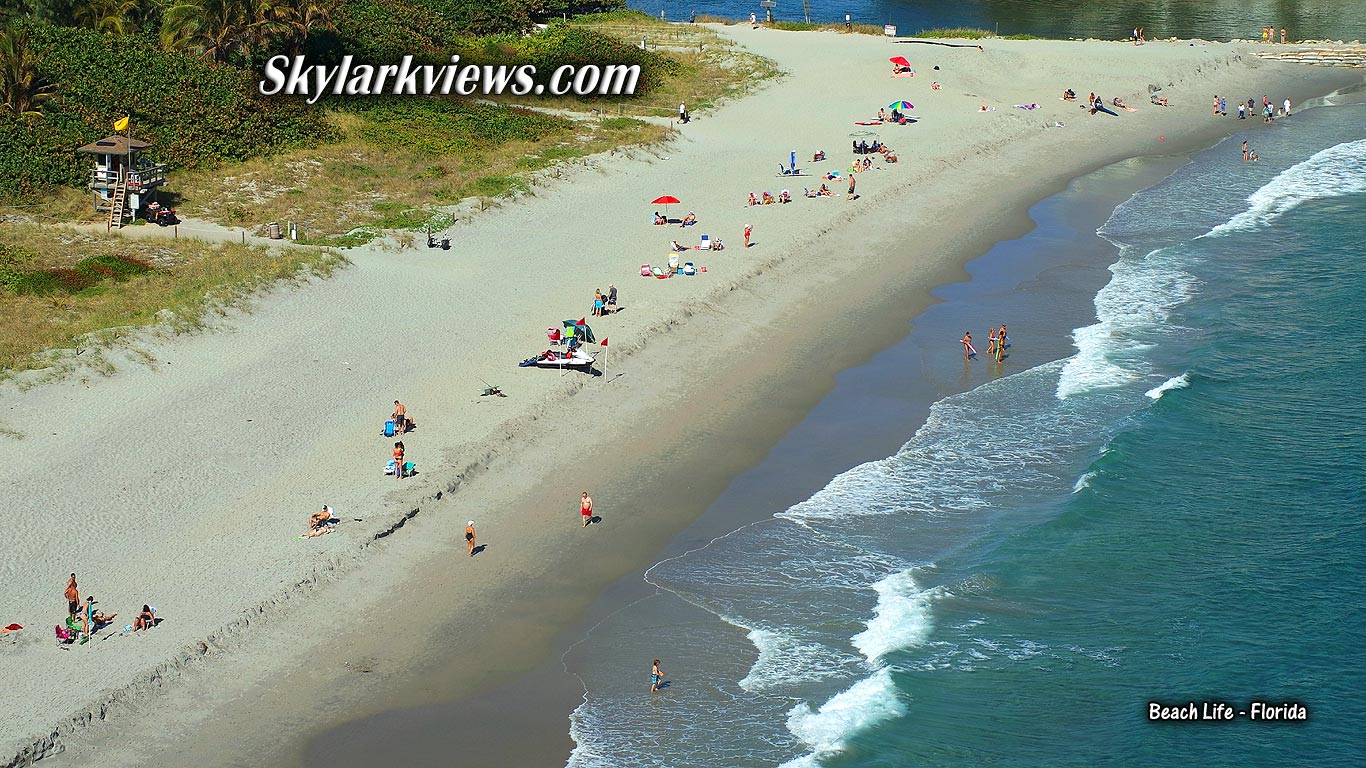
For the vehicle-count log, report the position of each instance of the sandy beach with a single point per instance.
(184, 480)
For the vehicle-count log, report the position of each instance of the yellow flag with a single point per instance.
(121, 124)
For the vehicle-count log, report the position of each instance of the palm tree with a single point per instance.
(22, 89)
(115, 17)
(306, 17)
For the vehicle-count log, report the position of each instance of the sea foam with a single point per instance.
(1131, 310)
(827, 730)
(1176, 382)
(1333, 172)
(901, 619)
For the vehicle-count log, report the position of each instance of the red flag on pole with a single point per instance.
(604, 341)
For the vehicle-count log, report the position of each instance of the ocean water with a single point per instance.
(1207, 19)
(1171, 508)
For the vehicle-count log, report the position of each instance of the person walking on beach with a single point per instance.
(469, 537)
(1223, 107)
(73, 597)
(1242, 111)
(968, 349)
(753, 21)
(748, 229)
(683, 112)
(398, 460)
(852, 182)
(586, 509)
(400, 418)
(1287, 107)
(1282, 34)
(656, 677)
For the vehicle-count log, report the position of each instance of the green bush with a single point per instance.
(447, 126)
(85, 275)
(195, 114)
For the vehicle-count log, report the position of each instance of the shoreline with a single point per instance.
(863, 282)
(531, 699)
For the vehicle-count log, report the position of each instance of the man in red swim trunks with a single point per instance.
(586, 508)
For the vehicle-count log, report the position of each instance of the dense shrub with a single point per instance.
(448, 126)
(67, 280)
(195, 114)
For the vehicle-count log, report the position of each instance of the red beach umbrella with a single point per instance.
(900, 61)
(666, 201)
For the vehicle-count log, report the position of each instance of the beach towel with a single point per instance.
(867, 122)
(12, 628)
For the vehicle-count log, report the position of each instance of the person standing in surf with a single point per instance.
(1001, 343)
(991, 343)
(968, 349)
(656, 677)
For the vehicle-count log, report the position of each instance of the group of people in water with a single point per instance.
(996, 346)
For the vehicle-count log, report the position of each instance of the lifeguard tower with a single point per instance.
(122, 182)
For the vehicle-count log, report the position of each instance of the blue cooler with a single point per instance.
(389, 428)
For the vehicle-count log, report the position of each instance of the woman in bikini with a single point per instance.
(398, 460)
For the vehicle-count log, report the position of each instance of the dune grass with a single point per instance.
(61, 288)
(955, 33)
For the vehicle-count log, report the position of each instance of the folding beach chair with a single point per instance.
(706, 244)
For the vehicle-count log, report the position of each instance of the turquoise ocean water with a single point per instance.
(1174, 510)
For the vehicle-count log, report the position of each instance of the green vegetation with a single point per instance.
(956, 33)
(58, 287)
(345, 170)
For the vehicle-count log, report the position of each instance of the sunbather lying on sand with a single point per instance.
(1118, 102)
(691, 218)
(752, 199)
(769, 199)
(825, 191)
(784, 197)
(1159, 101)
(811, 193)
(819, 156)
(935, 86)
(675, 245)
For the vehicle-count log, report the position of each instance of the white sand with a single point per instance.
(185, 482)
